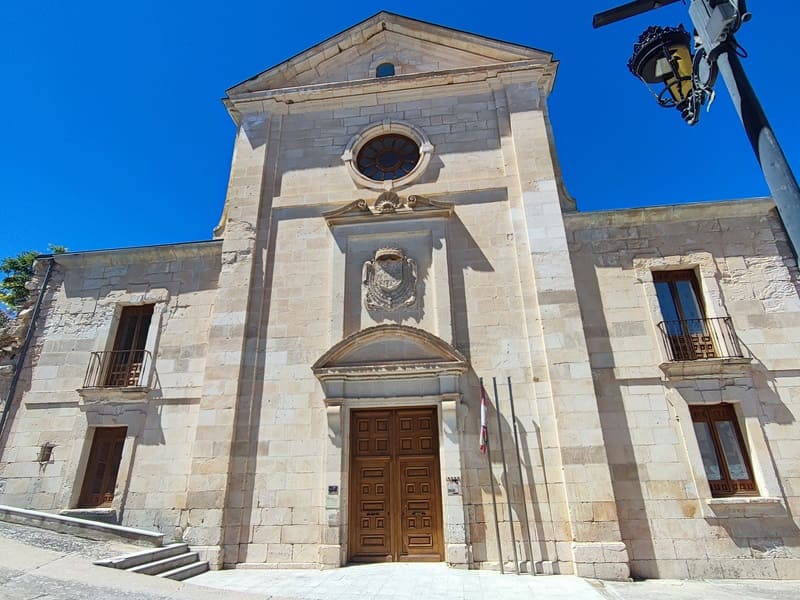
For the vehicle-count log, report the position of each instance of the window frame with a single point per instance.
(687, 339)
(671, 277)
(389, 126)
(382, 70)
(123, 366)
(726, 486)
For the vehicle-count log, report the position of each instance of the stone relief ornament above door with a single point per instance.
(391, 280)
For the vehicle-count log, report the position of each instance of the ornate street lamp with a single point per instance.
(663, 56)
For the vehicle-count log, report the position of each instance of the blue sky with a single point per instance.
(113, 135)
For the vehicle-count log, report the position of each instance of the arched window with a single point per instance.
(384, 70)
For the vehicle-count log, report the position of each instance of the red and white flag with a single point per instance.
(484, 438)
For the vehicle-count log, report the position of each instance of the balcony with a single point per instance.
(698, 347)
(699, 339)
(128, 372)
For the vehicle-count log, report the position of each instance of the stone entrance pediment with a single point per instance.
(389, 348)
(389, 352)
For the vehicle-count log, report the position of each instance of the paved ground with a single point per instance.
(399, 581)
(37, 564)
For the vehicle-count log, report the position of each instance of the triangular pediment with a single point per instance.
(412, 46)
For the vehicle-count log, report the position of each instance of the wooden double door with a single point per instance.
(395, 489)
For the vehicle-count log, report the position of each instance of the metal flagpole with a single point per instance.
(505, 477)
(494, 494)
(521, 480)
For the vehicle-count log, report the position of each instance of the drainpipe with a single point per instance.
(24, 350)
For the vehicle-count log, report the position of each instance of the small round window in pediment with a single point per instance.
(386, 157)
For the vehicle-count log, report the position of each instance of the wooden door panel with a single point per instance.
(102, 467)
(372, 433)
(373, 537)
(395, 503)
(420, 509)
(417, 431)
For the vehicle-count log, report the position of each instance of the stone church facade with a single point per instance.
(304, 389)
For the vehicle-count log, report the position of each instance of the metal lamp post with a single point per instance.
(663, 56)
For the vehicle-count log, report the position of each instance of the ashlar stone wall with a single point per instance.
(499, 289)
(80, 313)
(670, 522)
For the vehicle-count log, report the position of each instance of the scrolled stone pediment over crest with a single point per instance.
(388, 205)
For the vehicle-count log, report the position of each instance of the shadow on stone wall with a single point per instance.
(626, 481)
(523, 502)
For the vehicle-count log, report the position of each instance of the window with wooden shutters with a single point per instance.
(681, 303)
(724, 453)
(128, 357)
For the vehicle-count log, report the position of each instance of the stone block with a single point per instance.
(749, 569)
(787, 568)
(612, 571)
(705, 569)
(300, 534)
(279, 553)
(585, 570)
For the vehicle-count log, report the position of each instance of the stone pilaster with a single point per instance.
(455, 526)
(562, 374)
(209, 482)
(332, 553)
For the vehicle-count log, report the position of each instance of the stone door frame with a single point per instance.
(435, 379)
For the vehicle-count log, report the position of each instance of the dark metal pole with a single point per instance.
(494, 494)
(777, 172)
(24, 350)
(631, 9)
(521, 480)
(505, 477)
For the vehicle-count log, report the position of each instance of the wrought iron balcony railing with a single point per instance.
(119, 368)
(699, 339)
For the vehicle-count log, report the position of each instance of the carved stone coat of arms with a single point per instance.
(391, 280)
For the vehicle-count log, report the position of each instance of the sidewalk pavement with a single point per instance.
(37, 564)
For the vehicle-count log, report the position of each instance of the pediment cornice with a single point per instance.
(313, 62)
(292, 99)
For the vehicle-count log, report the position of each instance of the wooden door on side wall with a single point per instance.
(395, 491)
(102, 467)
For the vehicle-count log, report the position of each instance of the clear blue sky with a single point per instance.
(112, 133)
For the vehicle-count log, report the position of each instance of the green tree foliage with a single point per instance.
(18, 271)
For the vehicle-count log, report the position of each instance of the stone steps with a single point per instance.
(186, 571)
(175, 561)
(89, 529)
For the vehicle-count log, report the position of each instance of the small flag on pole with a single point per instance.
(484, 438)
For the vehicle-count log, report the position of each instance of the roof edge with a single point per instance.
(319, 48)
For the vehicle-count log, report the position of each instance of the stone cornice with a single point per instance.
(679, 212)
(125, 256)
(271, 100)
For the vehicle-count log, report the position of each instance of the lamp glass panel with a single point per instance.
(680, 83)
